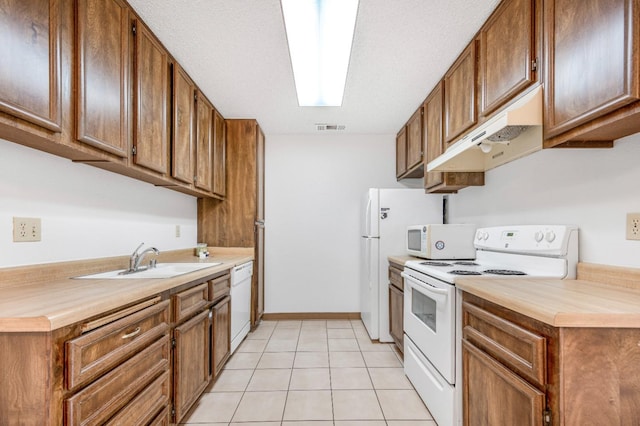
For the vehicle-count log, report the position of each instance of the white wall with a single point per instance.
(591, 188)
(314, 184)
(86, 212)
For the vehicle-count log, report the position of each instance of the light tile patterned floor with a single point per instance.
(311, 373)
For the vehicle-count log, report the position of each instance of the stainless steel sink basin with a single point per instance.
(162, 270)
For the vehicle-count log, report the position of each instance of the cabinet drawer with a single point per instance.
(96, 352)
(189, 302)
(162, 419)
(106, 396)
(219, 287)
(145, 407)
(395, 278)
(512, 345)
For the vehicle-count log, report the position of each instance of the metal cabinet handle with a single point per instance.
(133, 333)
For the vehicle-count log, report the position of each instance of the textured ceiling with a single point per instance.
(236, 52)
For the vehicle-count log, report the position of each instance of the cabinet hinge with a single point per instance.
(534, 65)
(195, 96)
(134, 151)
(133, 28)
(173, 343)
(546, 417)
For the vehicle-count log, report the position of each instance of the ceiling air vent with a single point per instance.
(322, 127)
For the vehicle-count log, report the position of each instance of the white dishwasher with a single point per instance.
(240, 303)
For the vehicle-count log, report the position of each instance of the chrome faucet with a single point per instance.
(136, 259)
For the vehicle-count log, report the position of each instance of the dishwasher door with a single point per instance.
(240, 303)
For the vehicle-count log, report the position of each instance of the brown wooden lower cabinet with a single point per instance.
(520, 371)
(145, 363)
(220, 334)
(396, 305)
(494, 395)
(190, 362)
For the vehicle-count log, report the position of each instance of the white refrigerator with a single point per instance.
(386, 213)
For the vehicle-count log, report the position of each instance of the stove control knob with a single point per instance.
(538, 236)
(485, 236)
(550, 236)
(479, 235)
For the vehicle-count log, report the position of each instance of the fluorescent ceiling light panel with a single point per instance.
(320, 34)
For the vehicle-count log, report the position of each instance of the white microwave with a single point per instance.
(436, 241)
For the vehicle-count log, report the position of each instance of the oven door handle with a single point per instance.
(436, 291)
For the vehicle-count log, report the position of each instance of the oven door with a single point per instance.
(429, 320)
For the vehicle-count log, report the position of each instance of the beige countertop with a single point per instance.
(402, 259)
(562, 303)
(46, 297)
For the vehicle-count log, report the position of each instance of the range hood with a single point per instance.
(511, 133)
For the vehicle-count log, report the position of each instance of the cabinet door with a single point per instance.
(592, 57)
(190, 363)
(494, 395)
(150, 101)
(203, 176)
(414, 140)
(396, 313)
(258, 274)
(441, 182)
(507, 53)
(401, 152)
(102, 58)
(460, 112)
(219, 154)
(221, 334)
(182, 148)
(433, 133)
(30, 66)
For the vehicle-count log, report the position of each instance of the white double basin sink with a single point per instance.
(162, 270)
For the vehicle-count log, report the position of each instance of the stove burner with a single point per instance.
(463, 272)
(435, 263)
(503, 272)
(466, 263)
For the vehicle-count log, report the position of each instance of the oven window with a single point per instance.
(413, 239)
(424, 308)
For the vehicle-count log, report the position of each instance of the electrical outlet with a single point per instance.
(177, 231)
(633, 226)
(26, 229)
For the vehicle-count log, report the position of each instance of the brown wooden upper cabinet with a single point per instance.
(182, 146)
(460, 112)
(401, 152)
(151, 95)
(441, 182)
(204, 151)
(592, 59)
(30, 70)
(219, 154)
(415, 148)
(508, 53)
(102, 75)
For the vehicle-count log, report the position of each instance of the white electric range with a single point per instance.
(432, 309)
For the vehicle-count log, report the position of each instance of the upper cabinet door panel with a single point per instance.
(102, 74)
(433, 133)
(30, 65)
(460, 95)
(219, 154)
(414, 140)
(183, 125)
(507, 51)
(401, 152)
(203, 144)
(151, 97)
(592, 60)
